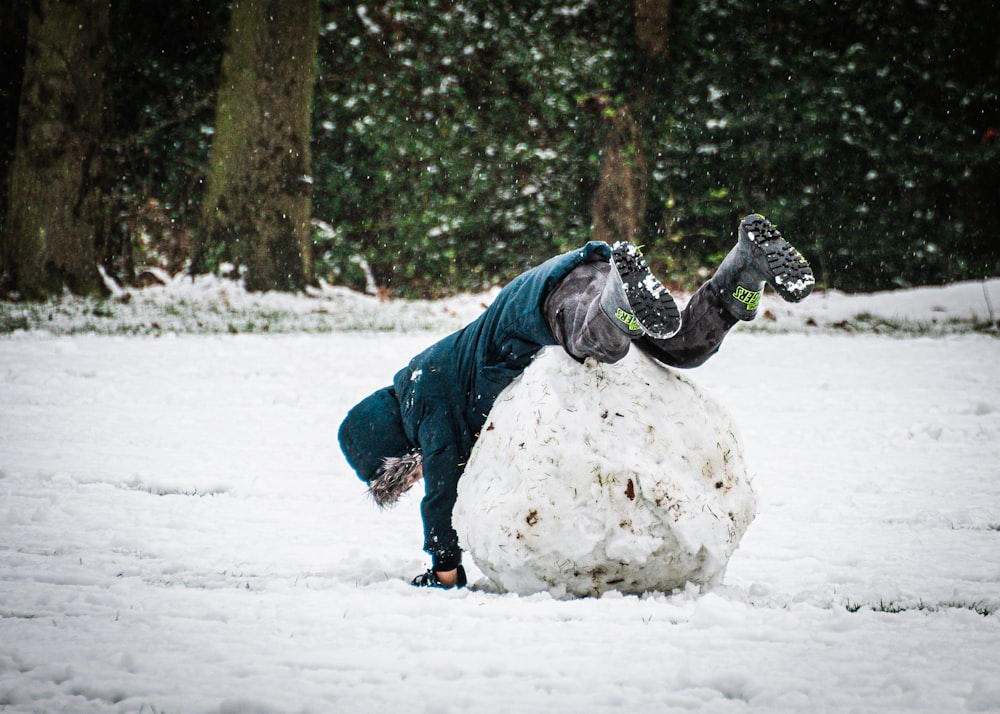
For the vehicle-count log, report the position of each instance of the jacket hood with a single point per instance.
(372, 431)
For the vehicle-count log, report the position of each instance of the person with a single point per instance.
(594, 302)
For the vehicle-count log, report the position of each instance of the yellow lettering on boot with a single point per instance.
(750, 298)
(628, 319)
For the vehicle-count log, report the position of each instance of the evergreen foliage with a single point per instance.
(451, 148)
(168, 59)
(867, 130)
(455, 139)
(456, 144)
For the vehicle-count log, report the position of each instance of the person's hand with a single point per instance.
(447, 578)
(444, 579)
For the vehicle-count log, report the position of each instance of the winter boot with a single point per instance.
(635, 300)
(761, 255)
(430, 580)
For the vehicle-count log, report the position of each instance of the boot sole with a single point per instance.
(652, 304)
(788, 272)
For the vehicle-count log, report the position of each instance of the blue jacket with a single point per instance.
(446, 392)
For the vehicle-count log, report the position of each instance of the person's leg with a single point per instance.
(634, 297)
(578, 323)
(760, 255)
(599, 308)
(705, 322)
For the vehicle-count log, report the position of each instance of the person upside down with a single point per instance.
(594, 302)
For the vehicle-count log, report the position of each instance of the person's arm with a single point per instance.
(441, 471)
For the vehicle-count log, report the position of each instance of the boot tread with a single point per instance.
(785, 269)
(653, 306)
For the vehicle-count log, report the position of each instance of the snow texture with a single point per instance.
(593, 478)
(180, 533)
(207, 304)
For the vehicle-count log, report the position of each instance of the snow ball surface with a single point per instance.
(592, 478)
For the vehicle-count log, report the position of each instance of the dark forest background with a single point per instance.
(450, 145)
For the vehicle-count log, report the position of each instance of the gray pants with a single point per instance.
(573, 313)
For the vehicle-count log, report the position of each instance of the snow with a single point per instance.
(653, 286)
(795, 287)
(179, 531)
(623, 476)
(211, 305)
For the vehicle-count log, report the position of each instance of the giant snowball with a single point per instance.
(588, 478)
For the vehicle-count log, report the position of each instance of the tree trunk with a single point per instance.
(619, 205)
(257, 209)
(55, 218)
(651, 24)
(13, 39)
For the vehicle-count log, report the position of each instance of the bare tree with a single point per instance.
(619, 201)
(56, 219)
(257, 209)
(652, 24)
(619, 204)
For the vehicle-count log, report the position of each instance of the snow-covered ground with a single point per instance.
(179, 531)
(212, 305)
